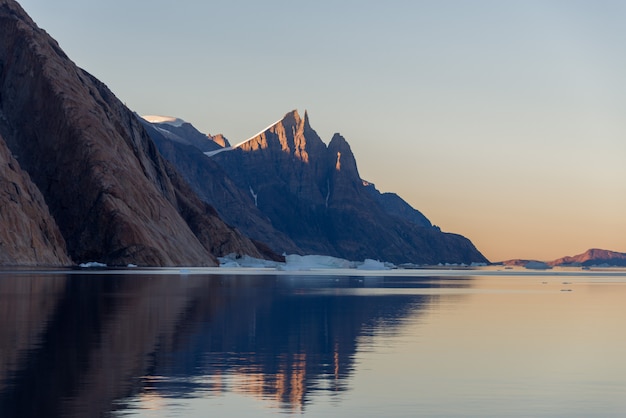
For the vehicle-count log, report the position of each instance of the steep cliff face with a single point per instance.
(112, 195)
(313, 194)
(28, 234)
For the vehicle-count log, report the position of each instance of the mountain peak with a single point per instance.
(339, 142)
(291, 118)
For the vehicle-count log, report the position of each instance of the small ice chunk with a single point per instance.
(92, 264)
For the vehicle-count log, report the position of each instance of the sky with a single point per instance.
(504, 121)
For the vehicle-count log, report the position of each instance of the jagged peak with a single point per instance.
(291, 122)
(338, 141)
(307, 124)
(291, 119)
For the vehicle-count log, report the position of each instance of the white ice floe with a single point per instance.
(92, 264)
(236, 261)
(294, 262)
(315, 262)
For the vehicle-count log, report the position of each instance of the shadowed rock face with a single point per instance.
(111, 194)
(28, 234)
(313, 195)
(236, 206)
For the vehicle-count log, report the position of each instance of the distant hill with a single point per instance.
(592, 257)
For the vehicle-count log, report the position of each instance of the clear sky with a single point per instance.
(504, 121)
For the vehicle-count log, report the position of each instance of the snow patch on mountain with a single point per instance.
(255, 196)
(170, 120)
(212, 153)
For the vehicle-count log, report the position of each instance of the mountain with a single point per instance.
(312, 196)
(90, 184)
(592, 257)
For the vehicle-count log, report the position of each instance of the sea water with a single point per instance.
(250, 343)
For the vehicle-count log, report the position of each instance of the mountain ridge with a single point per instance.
(313, 193)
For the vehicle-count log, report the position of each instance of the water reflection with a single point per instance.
(84, 345)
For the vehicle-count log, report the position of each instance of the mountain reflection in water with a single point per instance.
(83, 345)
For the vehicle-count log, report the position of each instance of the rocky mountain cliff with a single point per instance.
(100, 190)
(29, 235)
(312, 196)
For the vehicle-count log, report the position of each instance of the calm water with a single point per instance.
(150, 344)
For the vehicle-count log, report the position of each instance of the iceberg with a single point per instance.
(370, 264)
(237, 261)
(295, 262)
(315, 262)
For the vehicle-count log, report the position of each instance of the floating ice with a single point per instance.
(294, 262)
(315, 262)
(92, 264)
(236, 261)
(370, 264)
